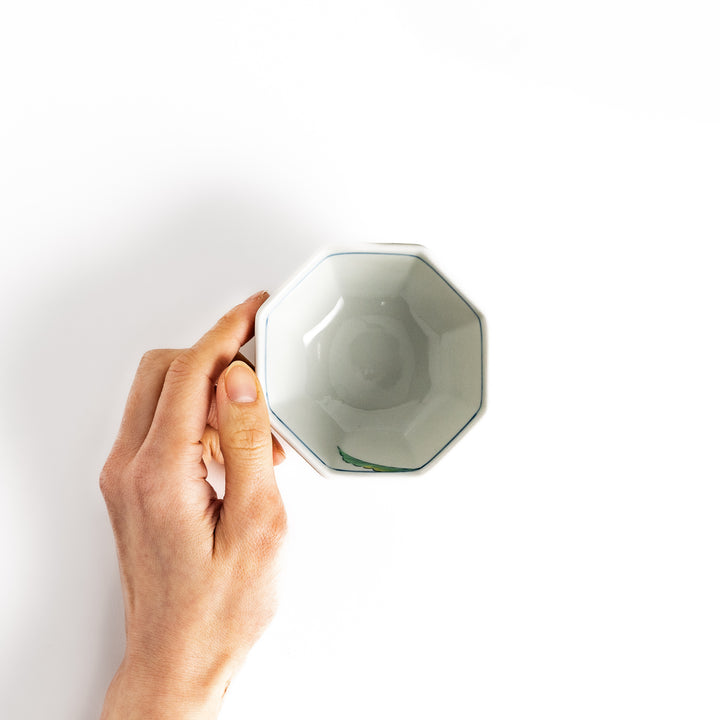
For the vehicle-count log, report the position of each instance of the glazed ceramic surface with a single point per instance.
(371, 360)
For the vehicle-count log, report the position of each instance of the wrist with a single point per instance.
(137, 692)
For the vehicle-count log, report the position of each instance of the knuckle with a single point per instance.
(156, 357)
(108, 480)
(266, 543)
(184, 363)
(211, 445)
(141, 481)
(268, 531)
(250, 439)
(138, 485)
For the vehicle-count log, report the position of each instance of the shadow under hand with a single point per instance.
(76, 346)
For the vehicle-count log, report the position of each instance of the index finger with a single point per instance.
(184, 404)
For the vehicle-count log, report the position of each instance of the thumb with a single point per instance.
(245, 440)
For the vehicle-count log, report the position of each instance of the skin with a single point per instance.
(197, 571)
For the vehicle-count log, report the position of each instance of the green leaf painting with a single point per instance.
(369, 466)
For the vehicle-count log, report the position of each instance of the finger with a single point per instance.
(211, 447)
(142, 400)
(247, 448)
(184, 403)
(212, 414)
(278, 452)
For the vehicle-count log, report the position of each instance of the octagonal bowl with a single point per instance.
(371, 360)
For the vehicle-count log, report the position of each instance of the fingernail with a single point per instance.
(257, 296)
(240, 383)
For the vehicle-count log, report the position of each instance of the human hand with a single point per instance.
(197, 571)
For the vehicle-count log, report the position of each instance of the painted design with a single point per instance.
(369, 466)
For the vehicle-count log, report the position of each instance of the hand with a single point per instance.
(197, 571)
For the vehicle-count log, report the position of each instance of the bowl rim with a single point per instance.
(275, 298)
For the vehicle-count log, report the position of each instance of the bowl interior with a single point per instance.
(373, 361)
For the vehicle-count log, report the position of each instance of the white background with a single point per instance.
(160, 161)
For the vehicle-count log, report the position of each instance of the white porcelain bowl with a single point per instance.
(371, 360)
